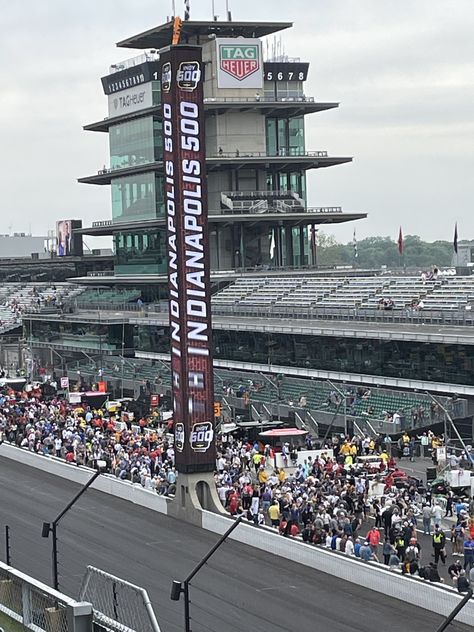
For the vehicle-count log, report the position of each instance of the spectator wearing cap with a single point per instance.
(366, 552)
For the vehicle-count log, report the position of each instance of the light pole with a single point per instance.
(52, 527)
(183, 587)
(344, 400)
(447, 417)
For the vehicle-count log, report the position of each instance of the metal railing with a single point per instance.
(358, 314)
(105, 222)
(297, 312)
(133, 61)
(262, 99)
(261, 194)
(38, 607)
(118, 604)
(292, 152)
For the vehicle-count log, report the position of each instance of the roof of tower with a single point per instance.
(161, 36)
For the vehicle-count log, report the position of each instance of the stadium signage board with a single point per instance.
(239, 63)
(131, 100)
(131, 77)
(185, 192)
(285, 71)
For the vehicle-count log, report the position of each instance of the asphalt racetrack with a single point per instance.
(240, 589)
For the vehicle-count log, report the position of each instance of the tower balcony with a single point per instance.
(224, 161)
(288, 107)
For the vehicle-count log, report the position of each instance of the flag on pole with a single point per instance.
(186, 9)
(400, 241)
(455, 241)
(354, 242)
(313, 232)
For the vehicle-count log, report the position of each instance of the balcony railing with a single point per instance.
(260, 99)
(292, 152)
(261, 201)
(133, 61)
(259, 194)
(258, 210)
(324, 209)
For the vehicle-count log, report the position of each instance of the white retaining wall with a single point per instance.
(417, 592)
(106, 483)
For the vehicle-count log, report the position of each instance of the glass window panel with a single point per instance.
(133, 143)
(137, 197)
(271, 137)
(282, 136)
(296, 144)
(142, 253)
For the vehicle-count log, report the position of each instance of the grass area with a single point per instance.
(9, 625)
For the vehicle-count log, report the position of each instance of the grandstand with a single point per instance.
(104, 296)
(310, 291)
(18, 298)
(316, 396)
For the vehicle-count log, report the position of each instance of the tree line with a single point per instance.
(373, 252)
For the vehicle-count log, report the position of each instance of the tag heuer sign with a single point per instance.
(240, 63)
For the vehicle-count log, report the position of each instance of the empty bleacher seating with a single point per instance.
(306, 291)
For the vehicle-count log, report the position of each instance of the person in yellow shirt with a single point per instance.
(384, 456)
(262, 476)
(274, 514)
(281, 475)
(353, 450)
(346, 448)
(348, 460)
(257, 457)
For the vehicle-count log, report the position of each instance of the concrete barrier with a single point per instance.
(412, 590)
(434, 597)
(106, 483)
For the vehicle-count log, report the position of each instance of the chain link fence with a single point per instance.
(119, 606)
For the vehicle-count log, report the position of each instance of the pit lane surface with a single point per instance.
(240, 589)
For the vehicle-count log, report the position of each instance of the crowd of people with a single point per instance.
(327, 499)
(141, 451)
(330, 501)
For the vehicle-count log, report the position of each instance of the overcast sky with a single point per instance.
(403, 71)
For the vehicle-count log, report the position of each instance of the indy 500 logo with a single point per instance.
(188, 75)
(201, 436)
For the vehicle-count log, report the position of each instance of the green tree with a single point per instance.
(374, 252)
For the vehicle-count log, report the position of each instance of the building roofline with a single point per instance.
(161, 36)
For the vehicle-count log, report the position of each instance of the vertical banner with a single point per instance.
(188, 258)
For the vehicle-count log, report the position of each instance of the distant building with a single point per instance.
(20, 245)
(464, 256)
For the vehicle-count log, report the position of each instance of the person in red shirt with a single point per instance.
(373, 538)
(294, 531)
